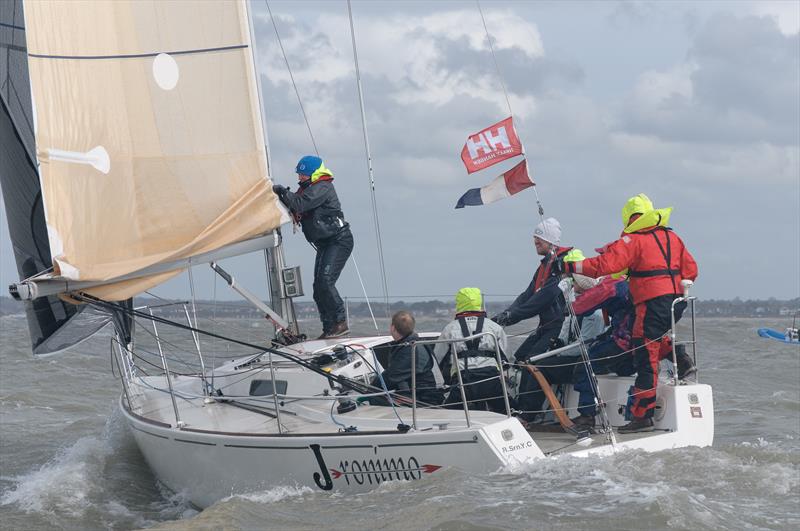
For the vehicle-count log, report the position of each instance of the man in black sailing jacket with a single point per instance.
(316, 206)
(543, 297)
(398, 376)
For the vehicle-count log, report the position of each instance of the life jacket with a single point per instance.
(472, 351)
(544, 271)
(473, 345)
(658, 268)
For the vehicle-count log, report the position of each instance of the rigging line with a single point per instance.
(214, 343)
(505, 93)
(598, 400)
(369, 306)
(494, 58)
(369, 162)
(291, 76)
(194, 335)
(340, 379)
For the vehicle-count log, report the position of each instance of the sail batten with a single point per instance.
(140, 55)
(148, 135)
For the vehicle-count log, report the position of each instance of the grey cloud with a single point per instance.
(744, 89)
(748, 65)
(521, 73)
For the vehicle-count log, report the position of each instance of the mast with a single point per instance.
(274, 256)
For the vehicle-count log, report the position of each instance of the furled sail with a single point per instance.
(54, 324)
(148, 135)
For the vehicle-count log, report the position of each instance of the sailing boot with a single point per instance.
(686, 368)
(637, 426)
(325, 331)
(583, 421)
(338, 330)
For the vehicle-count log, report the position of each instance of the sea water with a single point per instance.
(68, 461)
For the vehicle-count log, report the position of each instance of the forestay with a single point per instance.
(148, 135)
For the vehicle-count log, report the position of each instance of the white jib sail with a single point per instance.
(148, 134)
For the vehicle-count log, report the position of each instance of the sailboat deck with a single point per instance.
(556, 443)
(228, 416)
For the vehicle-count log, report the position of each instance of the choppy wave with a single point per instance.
(90, 481)
(65, 483)
(68, 465)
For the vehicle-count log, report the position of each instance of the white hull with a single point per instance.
(224, 450)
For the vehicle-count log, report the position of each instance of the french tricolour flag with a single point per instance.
(514, 180)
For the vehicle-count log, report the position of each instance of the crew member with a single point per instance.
(477, 358)
(316, 206)
(544, 298)
(656, 261)
(562, 368)
(613, 350)
(397, 377)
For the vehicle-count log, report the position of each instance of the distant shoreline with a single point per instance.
(357, 309)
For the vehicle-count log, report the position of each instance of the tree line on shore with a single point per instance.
(306, 309)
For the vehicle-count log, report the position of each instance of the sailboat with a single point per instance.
(133, 150)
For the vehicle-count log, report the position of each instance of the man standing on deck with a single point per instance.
(656, 261)
(544, 298)
(316, 206)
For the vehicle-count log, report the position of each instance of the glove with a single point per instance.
(575, 255)
(280, 190)
(501, 318)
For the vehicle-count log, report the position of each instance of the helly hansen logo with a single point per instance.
(487, 142)
(496, 143)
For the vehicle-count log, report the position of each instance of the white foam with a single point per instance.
(65, 483)
(273, 495)
(173, 504)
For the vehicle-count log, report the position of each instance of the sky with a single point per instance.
(696, 104)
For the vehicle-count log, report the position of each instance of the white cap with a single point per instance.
(549, 230)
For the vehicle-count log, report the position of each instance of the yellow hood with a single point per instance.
(469, 300)
(649, 216)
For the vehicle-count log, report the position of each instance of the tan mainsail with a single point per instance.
(167, 90)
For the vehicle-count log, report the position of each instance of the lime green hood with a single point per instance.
(649, 216)
(469, 300)
(322, 171)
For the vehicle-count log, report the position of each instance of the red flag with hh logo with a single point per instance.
(494, 144)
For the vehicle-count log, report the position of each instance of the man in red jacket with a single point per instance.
(656, 261)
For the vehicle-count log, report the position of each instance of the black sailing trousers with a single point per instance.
(332, 255)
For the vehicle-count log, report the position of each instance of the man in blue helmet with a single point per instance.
(316, 206)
